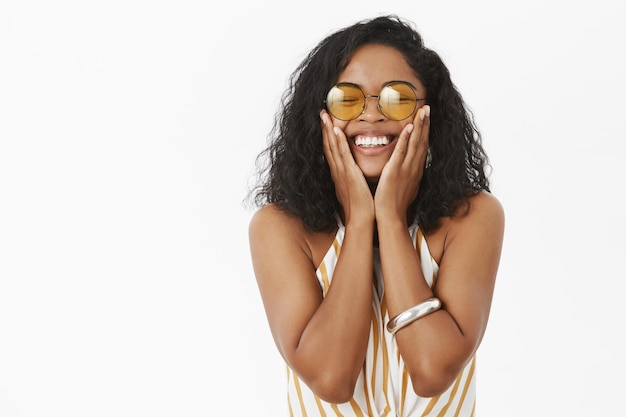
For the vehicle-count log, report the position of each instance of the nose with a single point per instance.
(372, 112)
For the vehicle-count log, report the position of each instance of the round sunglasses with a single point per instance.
(397, 100)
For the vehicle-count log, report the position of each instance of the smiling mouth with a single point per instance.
(372, 141)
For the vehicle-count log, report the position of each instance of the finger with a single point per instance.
(401, 148)
(425, 126)
(418, 141)
(339, 153)
(341, 143)
(327, 136)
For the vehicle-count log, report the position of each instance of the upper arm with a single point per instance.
(469, 266)
(285, 274)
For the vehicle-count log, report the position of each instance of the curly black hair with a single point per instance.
(293, 172)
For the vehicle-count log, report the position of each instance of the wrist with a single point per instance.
(391, 229)
(391, 219)
(361, 224)
(361, 218)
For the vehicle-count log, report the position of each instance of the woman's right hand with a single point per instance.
(351, 186)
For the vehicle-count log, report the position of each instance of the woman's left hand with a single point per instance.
(399, 182)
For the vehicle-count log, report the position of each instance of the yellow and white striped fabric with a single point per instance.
(384, 387)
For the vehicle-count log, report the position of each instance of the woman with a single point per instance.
(377, 242)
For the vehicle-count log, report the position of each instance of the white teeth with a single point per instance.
(368, 141)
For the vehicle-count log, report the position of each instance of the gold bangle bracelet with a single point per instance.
(416, 312)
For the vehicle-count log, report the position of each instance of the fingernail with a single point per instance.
(336, 130)
(427, 110)
(322, 117)
(409, 127)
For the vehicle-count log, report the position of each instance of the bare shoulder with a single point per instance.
(269, 217)
(270, 224)
(485, 205)
(272, 228)
(484, 213)
(483, 217)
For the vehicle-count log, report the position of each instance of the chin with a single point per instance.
(371, 174)
(371, 161)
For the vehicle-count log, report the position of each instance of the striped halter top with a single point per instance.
(384, 387)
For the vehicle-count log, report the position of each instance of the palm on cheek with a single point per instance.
(350, 184)
(399, 182)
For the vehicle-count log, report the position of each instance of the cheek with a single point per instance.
(341, 124)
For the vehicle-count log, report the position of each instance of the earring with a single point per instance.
(429, 158)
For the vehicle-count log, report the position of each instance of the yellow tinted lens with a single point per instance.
(397, 101)
(345, 101)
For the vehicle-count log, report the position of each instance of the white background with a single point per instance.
(128, 131)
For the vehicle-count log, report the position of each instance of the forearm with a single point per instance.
(332, 348)
(433, 347)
